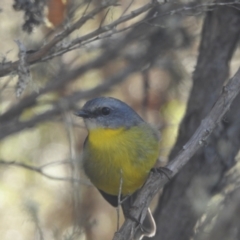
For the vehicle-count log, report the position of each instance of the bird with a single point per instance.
(118, 154)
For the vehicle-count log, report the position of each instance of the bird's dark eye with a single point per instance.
(105, 111)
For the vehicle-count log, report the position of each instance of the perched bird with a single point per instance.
(118, 153)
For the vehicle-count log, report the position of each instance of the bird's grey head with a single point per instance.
(105, 112)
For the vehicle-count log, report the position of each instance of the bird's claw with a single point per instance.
(167, 172)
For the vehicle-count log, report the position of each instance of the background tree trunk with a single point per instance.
(185, 198)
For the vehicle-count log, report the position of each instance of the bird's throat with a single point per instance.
(101, 137)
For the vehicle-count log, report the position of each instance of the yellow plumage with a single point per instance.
(129, 153)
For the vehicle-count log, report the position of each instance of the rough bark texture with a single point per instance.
(184, 199)
(227, 226)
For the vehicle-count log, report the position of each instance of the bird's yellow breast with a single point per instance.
(124, 153)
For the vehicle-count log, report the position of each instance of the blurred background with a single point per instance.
(57, 54)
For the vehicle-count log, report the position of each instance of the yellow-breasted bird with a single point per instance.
(120, 148)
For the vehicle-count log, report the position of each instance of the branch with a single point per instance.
(94, 36)
(107, 28)
(48, 51)
(40, 171)
(65, 104)
(31, 100)
(34, 57)
(44, 53)
(157, 180)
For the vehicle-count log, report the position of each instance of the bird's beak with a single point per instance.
(82, 113)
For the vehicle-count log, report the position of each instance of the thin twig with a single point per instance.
(24, 76)
(98, 31)
(44, 52)
(40, 171)
(36, 56)
(104, 18)
(119, 199)
(73, 167)
(126, 9)
(67, 102)
(74, 44)
(145, 78)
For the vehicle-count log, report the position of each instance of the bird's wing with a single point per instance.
(111, 199)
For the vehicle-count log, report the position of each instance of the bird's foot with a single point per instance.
(167, 172)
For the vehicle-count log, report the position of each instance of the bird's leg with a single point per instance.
(167, 172)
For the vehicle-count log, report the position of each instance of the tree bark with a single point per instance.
(185, 198)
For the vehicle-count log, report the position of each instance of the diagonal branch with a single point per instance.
(156, 181)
